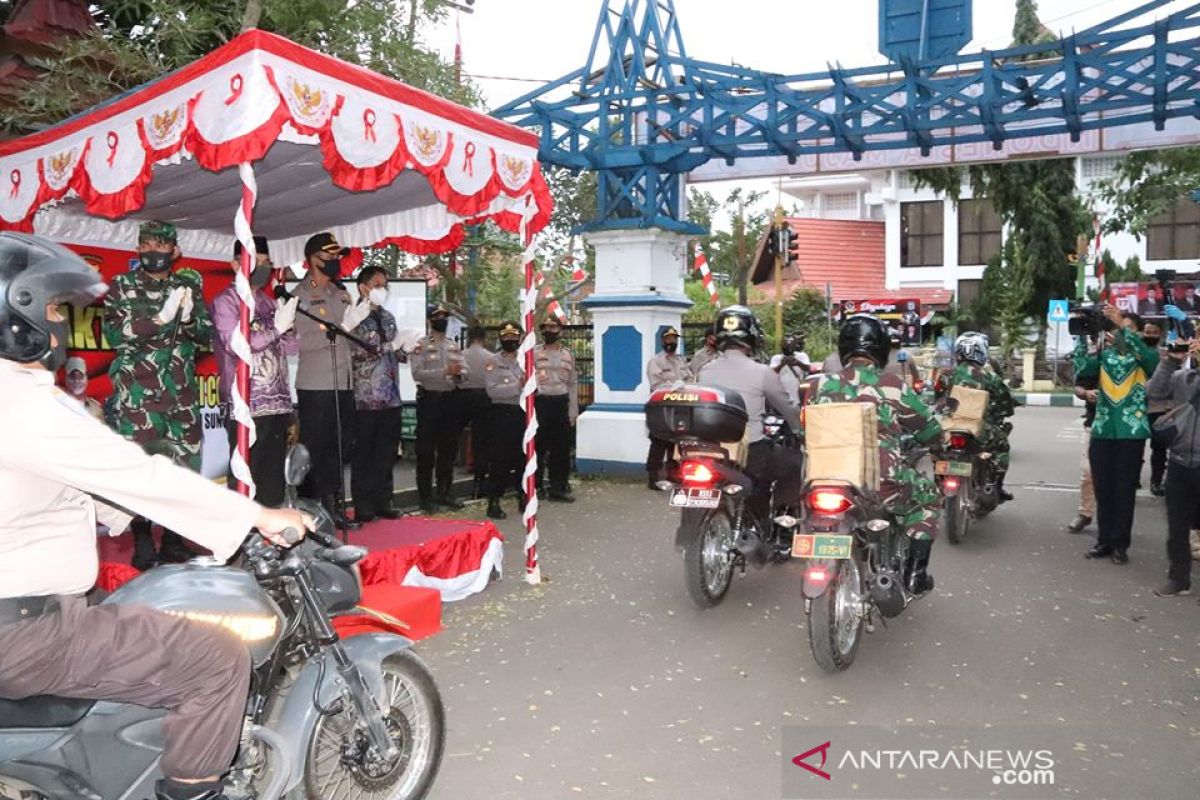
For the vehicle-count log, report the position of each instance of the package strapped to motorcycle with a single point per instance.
(841, 442)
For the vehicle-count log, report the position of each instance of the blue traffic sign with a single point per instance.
(923, 29)
(1058, 311)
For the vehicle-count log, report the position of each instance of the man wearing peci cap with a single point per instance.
(504, 375)
(666, 368)
(439, 369)
(155, 320)
(557, 408)
(323, 382)
(272, 339)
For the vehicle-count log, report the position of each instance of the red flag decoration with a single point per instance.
(706, 276)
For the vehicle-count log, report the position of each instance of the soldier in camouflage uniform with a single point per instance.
(971, 370)
(913, 497)
(155, 320)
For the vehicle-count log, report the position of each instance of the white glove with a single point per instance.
(406, 339)
(171, 306)
(285, 314)
(355, 314)
(188, 305)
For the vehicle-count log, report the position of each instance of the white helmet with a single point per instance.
(972, 347)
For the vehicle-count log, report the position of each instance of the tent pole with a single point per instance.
(240, 343)
(533, 573)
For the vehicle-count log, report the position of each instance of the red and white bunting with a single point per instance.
(553, 306)
(706, 276)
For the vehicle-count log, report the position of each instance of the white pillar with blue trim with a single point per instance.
(639, 293)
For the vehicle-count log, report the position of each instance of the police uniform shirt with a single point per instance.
(756, 383)
(315, 370)
(476, 357)
(667, 369)
(556, 374)
(62, 471)
(428, 362)
(504, 378)
(702, 357)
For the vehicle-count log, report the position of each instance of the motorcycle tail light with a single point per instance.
(950, 484)
(958, 441)
(828, 502)
(696, 473)
(816, 578)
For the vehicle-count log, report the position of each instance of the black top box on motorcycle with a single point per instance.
(706, 413)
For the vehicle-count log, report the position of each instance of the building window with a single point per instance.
(979, 228)
(1098, 167)
(968, 294)
(1175, 234)
(842, 201)
(921, 234)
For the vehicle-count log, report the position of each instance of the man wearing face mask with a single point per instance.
(557, 408)
(439, 368)
(476, 407)
(376, 402)
(322, 394)
(667, 368)
(792, 365)
(1156, 406)
(155, 319)
(504, 375)
(272, 340)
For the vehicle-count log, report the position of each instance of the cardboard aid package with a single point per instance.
(841, 442)
(970, 412)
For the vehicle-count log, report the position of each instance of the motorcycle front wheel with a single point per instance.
(956, 519)
(708, 559)
(835, 619)
(412, 708)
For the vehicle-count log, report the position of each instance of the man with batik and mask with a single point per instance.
(272, 339)
(155, 320)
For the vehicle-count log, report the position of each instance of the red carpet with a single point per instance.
(414, 564)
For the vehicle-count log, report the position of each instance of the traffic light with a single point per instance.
(785, 243)
(793, 246)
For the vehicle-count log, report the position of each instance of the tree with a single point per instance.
(1130, 272)
(805, 311)
(730, 252)
(1146, 184)
(1004, 292)
(1028, 29)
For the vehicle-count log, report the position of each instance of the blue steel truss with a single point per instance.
(642, 113)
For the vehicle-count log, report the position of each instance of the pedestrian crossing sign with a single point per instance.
(1058, 311)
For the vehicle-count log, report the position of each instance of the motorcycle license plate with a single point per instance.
(819, 545)
(960, 468)
(696, 498)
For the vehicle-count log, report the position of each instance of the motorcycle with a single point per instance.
(719, 533)
(967, 477)
(325, 719)
(858, 557)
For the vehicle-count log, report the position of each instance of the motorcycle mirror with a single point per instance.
(296, 465)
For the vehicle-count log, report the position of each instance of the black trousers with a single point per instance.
(318, 432)
(376, 443)
(658, 456)
(768, 463)
(1158, 455)
(1183, 501)
(475, 410)
(506, 427)
(266, 456)
(1115, 464)
(554, 439)
(438, 426)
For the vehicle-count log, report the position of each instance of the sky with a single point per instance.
(540, 40)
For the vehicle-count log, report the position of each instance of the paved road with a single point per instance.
(607, 682)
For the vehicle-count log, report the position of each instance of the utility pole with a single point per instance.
(779, 231)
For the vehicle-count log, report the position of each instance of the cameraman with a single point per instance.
(1121, 427)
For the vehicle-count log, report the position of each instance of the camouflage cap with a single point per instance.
(157, 229)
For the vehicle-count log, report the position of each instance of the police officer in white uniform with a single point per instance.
(439, 369)
(666, 368)
(504, 376)
(61, 472)
(557, 408)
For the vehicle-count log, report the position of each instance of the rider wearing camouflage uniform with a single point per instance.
(863, 347)
(970, 370)
(155, 320)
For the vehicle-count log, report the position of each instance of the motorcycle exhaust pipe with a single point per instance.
(887, 594)
(281, 772)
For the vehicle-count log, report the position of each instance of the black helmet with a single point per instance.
(737, 324)
(36, 273)
(864, 335)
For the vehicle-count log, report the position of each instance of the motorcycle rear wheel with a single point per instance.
(834, 623)
(708, 559)
(414, 714)
(956, 518)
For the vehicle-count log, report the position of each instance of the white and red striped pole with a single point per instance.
(533, 573)
(239, 343)
(1099, 261)
(706, 276)
(553, 306)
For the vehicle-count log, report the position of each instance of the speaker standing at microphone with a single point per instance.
(316, 384)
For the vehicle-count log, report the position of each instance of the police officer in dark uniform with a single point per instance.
(438, 367)
(504, 377)
(475, 409)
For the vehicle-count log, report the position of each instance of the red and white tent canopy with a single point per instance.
(334, 147)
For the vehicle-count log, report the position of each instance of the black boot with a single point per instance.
(494, 511)
(173, 549)
(1004, 496)
(479, 488)
(144, 556)
(916, 568)
(167, 789)
(446, 498)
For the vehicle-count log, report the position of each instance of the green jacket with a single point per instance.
(1122, 369)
